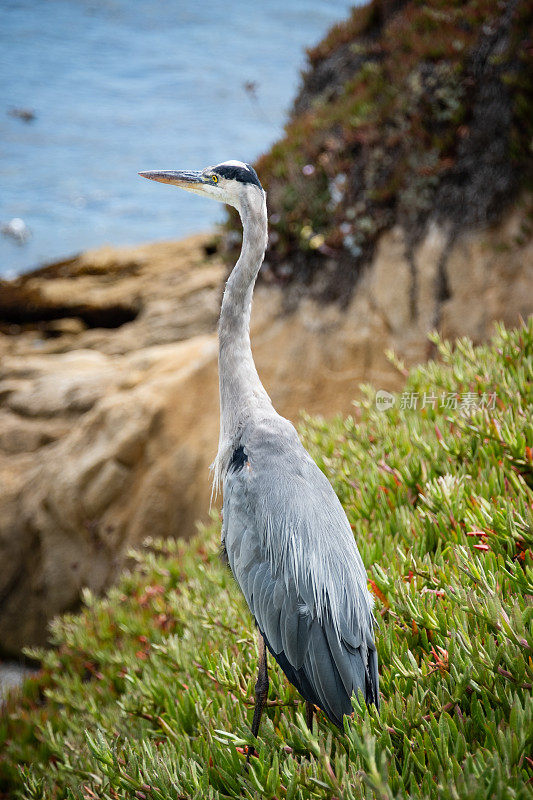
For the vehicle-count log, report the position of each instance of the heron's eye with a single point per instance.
(214, 178)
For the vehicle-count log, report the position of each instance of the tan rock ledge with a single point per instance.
(109, 395)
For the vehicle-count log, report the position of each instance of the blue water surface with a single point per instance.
(119, 86)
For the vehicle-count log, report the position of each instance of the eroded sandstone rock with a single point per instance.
(106, 434)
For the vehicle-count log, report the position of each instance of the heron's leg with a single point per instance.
(309, 711)
(261, 691)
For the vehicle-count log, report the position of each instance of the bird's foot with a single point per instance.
(251, 751)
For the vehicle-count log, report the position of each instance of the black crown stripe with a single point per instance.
(241, 174)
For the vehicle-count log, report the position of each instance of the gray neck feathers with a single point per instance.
(241, 391)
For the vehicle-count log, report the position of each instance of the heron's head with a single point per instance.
(232, 182)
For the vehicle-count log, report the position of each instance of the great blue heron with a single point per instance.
(284, 531)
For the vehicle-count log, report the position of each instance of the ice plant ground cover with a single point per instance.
(148, 692)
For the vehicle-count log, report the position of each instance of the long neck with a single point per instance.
(241, 391)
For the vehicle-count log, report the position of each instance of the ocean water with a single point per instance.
(119, 86)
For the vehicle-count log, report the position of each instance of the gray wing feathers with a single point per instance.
(335, 699)
(293, 554)
(294, 632)
(374, 675)
(345, 661)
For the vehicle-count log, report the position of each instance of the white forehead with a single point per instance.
(234, 164)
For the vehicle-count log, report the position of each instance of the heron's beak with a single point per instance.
(190, 179)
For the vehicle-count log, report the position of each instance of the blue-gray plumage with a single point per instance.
(293, 554)
(287, 538)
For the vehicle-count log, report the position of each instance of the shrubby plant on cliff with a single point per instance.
(148, 692)
(408, 111)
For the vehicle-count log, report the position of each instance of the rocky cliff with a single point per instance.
(409, 113)
(106, 434)
(108, 372)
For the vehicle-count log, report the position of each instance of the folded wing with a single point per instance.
(321, 636)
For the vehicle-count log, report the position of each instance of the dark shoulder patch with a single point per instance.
(241, 174)
(223, 554)
(238, 459)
